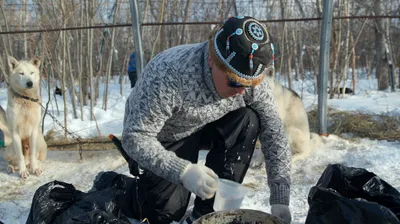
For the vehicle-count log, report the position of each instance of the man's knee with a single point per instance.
(241, 125)
(251, 117)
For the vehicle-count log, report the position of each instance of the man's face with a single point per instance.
(221, 82)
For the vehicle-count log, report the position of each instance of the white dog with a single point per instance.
(24, 111)
(295, 120)
(8, 153)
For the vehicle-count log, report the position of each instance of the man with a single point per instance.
(132, 69)
(214, 93)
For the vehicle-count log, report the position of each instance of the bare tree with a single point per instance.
(282, 43)
(159, 28)
(343, 76)
(110, 59)
(382, 70)
(295, 53)
(337, 40)
(71, 81)
(6, 45)
(89, 17)
(80, 62)
(63, 61)
(23, 22)
(270, 8)
(185, 18)
(353, 64)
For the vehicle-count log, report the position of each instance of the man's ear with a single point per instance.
(210, 61)
(12, 63)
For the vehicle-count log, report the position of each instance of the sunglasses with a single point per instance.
(234, 84)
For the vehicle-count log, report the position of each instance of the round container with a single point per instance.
(239, 216)
(229, 195)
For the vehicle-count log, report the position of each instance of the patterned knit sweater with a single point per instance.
(175, 97)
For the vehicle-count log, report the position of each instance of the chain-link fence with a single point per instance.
(82, 44)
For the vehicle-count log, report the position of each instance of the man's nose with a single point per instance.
(240, 90)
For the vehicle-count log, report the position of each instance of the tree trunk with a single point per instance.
(270, 9)
(382, 71)
(315, 66)
(235, 7)
(90, 59)
(7, 29)
(338, 36)
(110, 59)
(23, 17)
(80, 64)
(124, 69)
(296, 56)
(302, 48)
(353, 65)
(289, 61)
(343, 77)
(284, 37)
(71, 86)
(159, 28)
(63, 68)
(185, 18)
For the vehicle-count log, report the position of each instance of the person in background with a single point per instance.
(132, 69)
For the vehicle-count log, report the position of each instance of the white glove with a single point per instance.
(200, 180)
(282, 212)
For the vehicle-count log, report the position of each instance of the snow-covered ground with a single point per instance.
(380, 157)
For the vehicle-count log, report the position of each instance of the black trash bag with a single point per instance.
(59, 202)
(50, 200)
(103, 200)
(98, 217)
(352, 195)
(328, 206)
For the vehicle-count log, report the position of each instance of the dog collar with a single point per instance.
(25, 97)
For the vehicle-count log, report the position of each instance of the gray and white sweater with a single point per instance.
(175, 97)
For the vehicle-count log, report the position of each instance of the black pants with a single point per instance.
(232, 141)
(133, 78)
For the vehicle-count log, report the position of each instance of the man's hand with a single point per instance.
(200, 180)
(282, 212)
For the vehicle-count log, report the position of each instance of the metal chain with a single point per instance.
(77, 138)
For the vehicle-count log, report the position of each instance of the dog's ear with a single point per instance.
(12, 62)
(35, 61)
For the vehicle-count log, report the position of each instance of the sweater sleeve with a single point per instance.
(274, 145)
(150, 104)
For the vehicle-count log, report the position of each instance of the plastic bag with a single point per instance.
(59, 202)
(352, 195)
(50, 200)
(97, 217)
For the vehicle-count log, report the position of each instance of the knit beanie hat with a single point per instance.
(242, 48)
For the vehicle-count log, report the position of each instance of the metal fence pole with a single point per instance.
(324, 67)
(136, 33)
